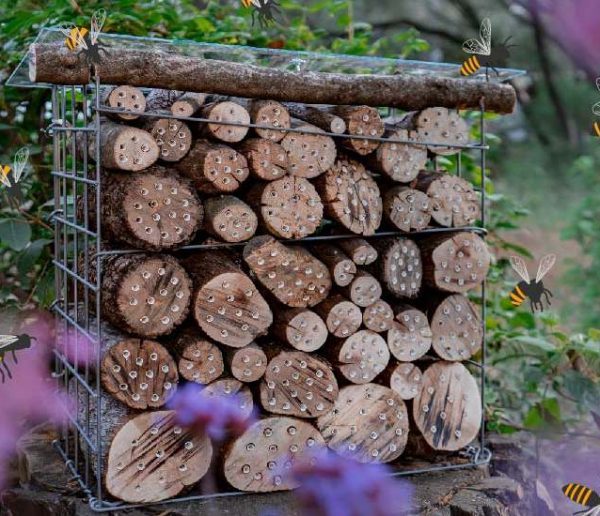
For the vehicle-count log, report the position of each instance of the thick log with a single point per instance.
(188, 104)
(226, 304)
(341, 268)
(407, 209)
(438, 126)
(455, 263)
(232, 388)
(447, 410)
(406, 379)
(153, 210)
(310, 154)
(148, 68)
(364, 289)
(139, 373)
(360, 121)
(161, 99)
(410, 336)
(399, 161)
(351, 196)
(198, 359)
(400, 267)
(454, 202)
(342, 317)
(173, 137)
(229, 218)
(272, 113)
(258, 460)
(368, 423)
(301, 328)
(267, 160)
(247, 364)
(289, 207)
(359, 250)
(129, 98)
(151, 459)
(229, 112)
(456, 328)
(213, 167)
(378, 317)
(321, 118)
(360, 357)
(293, 275)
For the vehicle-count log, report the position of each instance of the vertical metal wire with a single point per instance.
(482, 164)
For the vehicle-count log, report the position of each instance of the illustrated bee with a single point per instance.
(531, 289)
(86, 41)
(19, 164)
(265, 10)
(596, 111)
(12, 343)
(490, 57)
(583, 495)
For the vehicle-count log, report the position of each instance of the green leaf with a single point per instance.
(550, 406)
(29, 256)
(15, 233)
(533, 419)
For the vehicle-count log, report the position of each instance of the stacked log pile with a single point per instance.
(353, 342)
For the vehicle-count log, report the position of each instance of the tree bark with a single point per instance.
(319, 117)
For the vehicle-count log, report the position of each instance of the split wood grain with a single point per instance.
(301, 328)
(378, 316)
(198, 359)
(341, 268)
(342, 317)
(410, 336)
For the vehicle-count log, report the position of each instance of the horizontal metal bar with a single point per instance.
(75, 178)
(69, 319)
(65, 362)
(68, 129)
(75, 275)
(72, 225)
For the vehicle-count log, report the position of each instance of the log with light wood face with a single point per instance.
(319, 117)
(407, 209)
(438, 126)
(341, 268)
(128, 98)
(378, 316)
(269, 113)
(267, 160)
(310, 153)
(364, 289)
(342, 317)
(173, 137)
(406, 379)
(399, 266)
(230, 219)
(247, 364)
(198, 359)
(301, 328)
(410, 336)
(228, 112)
(232, 389)
(360, 121)
(359, 250)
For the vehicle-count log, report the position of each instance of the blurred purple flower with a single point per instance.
(218, 416)
(336, 486)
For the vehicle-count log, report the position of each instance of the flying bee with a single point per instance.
(266, 9)
(585, 496)
(489, 57)
(12, 343)
(86, 41)
(531, 289)
(18, 167)
(596, 110)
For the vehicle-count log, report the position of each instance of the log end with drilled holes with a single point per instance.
(364, 290)
(309, 154)
(368, 423)
(410, 336)
(152, 459)
(247, 364)
(298, 384)
(447, 410)
(362, 356)
(361, 121)
(198, 359)
(457, 329)
(128, 98)
(267, 160)
(406, 379)
(173, 137)
(341, 267)
(230, 113)
(351, 196)
(293, 275)
(301, 328)
(438, 125)
(260, 459)
(230, 219)
(378, 316)
(342, 317)
(359, 250)
(407, 209)
(269, 113)
(400, 162)
(400, 266)
(139, 373)
(188, 104)
(233, 389)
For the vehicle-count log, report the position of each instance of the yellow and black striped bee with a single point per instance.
(18, 167)
(585, 496)
(12, 343)
(489, 57)
(86, 41)
(596, 111)
(266, 10)
(531, 289)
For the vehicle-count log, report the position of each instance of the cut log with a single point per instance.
(228, 112)
(226, 304)
(173, 137)
(124, 148)
(129, 98)
(454, 202)
(154, 210)
(341, 268)
(406, 379)
(407, 209)
(258, 461)
(247, 364)
(410, 336)
(188, 104)
(369, 423)
(298, 384)
(198, 359)
(288, 207)
(269, 112)
(361, 121)
(400, 162)
(152, 459)
(457, 329)
(437, 126)
(267, 160)
(378, 317)
(447, 410)
(309, 154)
(229, 218)
(359, 250)
(161, 99)
(230, 387)
(360, 357)
(293, 275)
(364, 289)
(52, 62)
(139, 373)
(342, 317)
(214, 168)
(400, 267)
(301, 328)
(455, 263)
(321, 118)
(351, 196)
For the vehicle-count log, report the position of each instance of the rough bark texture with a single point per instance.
(407, 209)
(198, 359)
(56, 64)
(410, 336)
(247, 364)
(342, 317)
(229, 218)
(267, 160)
(228, 112)
(341, 268)
(360, 121)
(364, 289)
(173, 137)
(378, 317)
(319, 117)
(400, 267)
(301, 328)
(129, 98)
(359, 250)
(161, 99)
(438, 126)
(309, 153)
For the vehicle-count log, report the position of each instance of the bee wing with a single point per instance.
(4, 171)
(485, 33)
(98, 19)
(19, 163)
(596, 109)
(519, 266)
(474, 46)
(66, 29)
(7, 340)
(546, 263)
